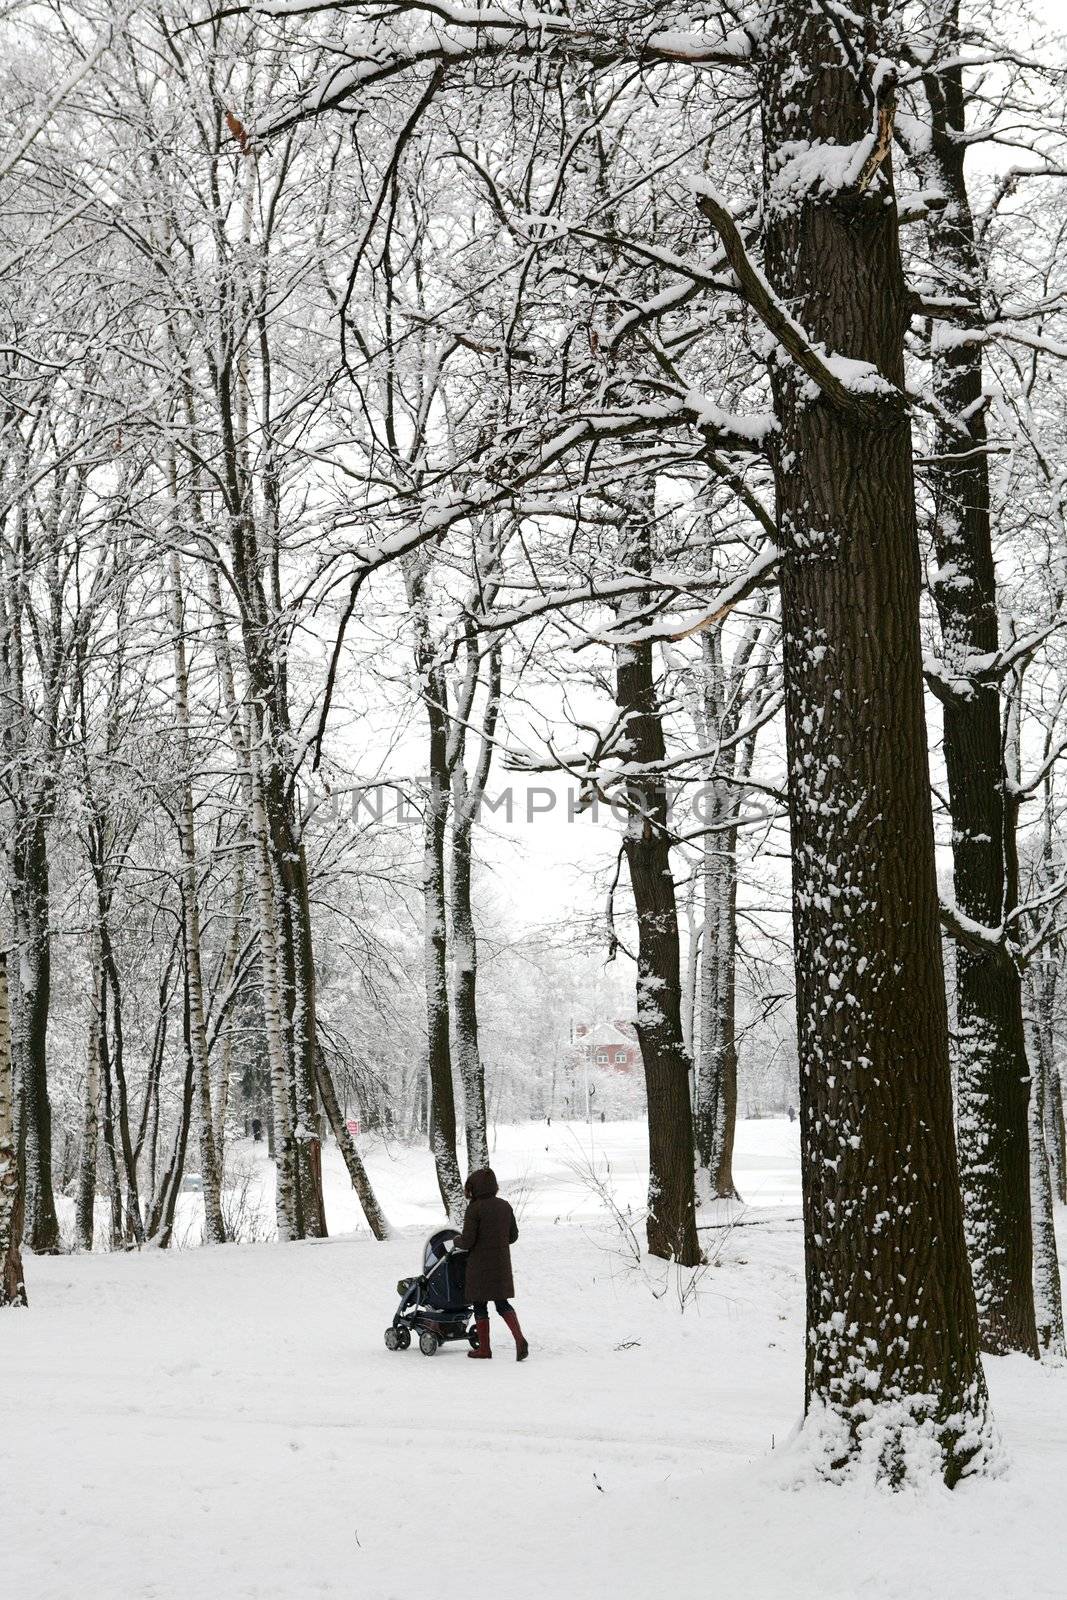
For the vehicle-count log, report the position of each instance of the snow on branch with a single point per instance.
(753, 578)
(451, 34)
(974, 936)
(720, 429)
(851, 385)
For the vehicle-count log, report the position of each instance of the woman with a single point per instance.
(489, 1231)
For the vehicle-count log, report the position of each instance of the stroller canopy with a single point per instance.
(434, 1249)
(445, 1274)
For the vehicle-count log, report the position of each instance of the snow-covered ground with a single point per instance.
(228, 1422)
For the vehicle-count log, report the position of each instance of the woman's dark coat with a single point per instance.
(489, 1229)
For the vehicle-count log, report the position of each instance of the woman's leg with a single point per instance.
(481, 1323)
(506, 1310)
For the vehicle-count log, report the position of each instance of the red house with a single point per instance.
(609, 1045)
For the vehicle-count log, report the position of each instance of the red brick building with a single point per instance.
(609, 1046)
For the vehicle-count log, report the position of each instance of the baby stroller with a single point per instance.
(433, 1305)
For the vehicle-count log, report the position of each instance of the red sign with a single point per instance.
(353, 1126)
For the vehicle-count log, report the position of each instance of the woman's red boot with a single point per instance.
(483, 1352)
(522, 1349)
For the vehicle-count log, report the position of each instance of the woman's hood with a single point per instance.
(480, 1185)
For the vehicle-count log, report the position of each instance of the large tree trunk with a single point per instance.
(893, 1372)
(465, 999)
(255, 554)
(248, 744)
(12, 1284)
(1043, 976)
(993, 1074)
(30, 896)
(1048, 1296)
(435, 908)
(296, 965)
(287, 1190)
(133, 1226)
(226, 977)
(722, 1151)
(214, 1227)
(467, 792)
(724, 697)
(85, 1200)
(671, 1224)
(161, 1219)
(716, 1088)
(1056, 1135)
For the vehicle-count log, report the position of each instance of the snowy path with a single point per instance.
(228, 1423)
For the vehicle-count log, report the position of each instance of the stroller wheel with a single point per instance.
(472, 1338)
(392, 1339)
(403, 1337)
(428, 1343)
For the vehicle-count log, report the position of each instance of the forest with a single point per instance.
(533, 635)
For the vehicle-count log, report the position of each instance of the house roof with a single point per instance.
(606, 1033)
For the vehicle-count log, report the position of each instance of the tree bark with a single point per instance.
(993, 1076)
(31, 900)
(671, 1226)
(12, 1282)
(886, 1261)
(214, 1227)
(1057, 1136)
(161, 1221)
(287, 1196)
(433, 690)
(85, 1202)
(466, 797)
(1043, 982)
(724, 696)
(716, 1098)
(1048, 1295)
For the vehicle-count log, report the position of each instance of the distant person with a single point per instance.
(791, 1113)
(489, 1231)
(257, 1130)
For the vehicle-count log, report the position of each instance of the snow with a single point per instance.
(228, 1421)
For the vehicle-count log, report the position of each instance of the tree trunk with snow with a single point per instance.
(893, 1375)
(226, 978)
(161, 1217)
(725, 1024)
(467, 792)
(993, 1075)
(671, 1227)
(12, 1284)
(1043, 981)
(31, 902)
(434, 692)
(1056, 1135)
(287, 1195)
(725, 696)
(1048, 1295)
(247, 744)
(85, 1199)
(214, 1226)
(464, 998)
(716, 1078)
(376, 1218)
(113, 1046)
(716, 1097)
